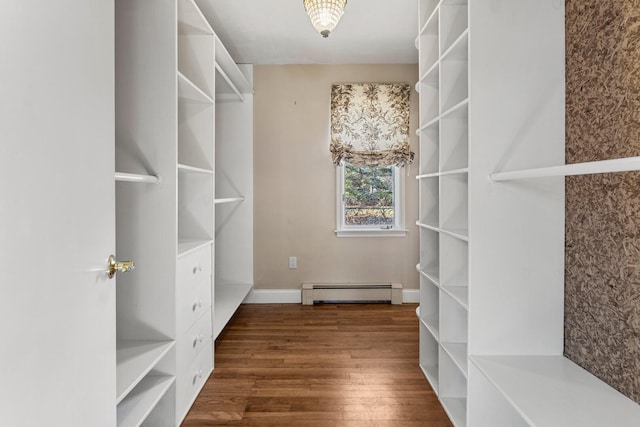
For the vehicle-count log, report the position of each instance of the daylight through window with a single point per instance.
(369, 196)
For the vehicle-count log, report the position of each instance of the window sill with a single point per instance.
(371, 232)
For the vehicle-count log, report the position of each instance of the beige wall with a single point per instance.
(295, 183)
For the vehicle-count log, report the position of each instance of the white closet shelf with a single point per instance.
(227, 299)
(458, 233)
(431, 76)
(228, 200)
(458, 353)
(460, 294)
(191, 21)
(431, 227)
(431, 373)
(432, 276)
(134, 359)
(427, 125)
(192, 169)
(462, 104)
(430, 26)
(431, 323)
(134, 177)
(459, 48)
(186, 246)
(552, 391)
(138, 404)
(190, 92)
(233, 82)
(456, 408)
(624, 164)
(226, 90)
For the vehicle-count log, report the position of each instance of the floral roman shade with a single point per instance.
(370, 124)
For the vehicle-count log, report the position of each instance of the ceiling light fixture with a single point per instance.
(324, 14)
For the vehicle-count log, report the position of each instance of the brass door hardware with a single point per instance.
(114, 266)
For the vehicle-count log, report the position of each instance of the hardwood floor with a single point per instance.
(324, 365)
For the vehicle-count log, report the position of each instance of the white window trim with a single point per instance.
(398, 229)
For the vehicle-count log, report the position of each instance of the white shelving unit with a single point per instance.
(492, 242)
(134, 360)
(171, 71)
(443, 220)
(196, 181)
(234, 188)
(233, 195)
(145, 147)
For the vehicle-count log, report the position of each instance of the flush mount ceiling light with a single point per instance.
(324, 14)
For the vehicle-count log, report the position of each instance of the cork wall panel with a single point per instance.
(602, 301)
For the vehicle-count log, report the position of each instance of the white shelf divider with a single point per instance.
(227, 299)
(624, 164)
(134, 359)
(552, 391)
(134, 177)
(138, 404)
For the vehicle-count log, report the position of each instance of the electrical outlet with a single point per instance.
(293, 262)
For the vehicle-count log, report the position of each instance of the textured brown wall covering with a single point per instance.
(602, 304)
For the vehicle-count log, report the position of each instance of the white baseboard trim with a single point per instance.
(274, 296)
(410, 295)
(294, 296)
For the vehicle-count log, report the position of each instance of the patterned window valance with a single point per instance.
(370, 124)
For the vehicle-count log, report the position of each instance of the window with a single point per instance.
(369, 201)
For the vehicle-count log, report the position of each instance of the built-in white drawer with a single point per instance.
(193, 287)
(189, 382)
(192, 268)
(192, 342)
(193, 306)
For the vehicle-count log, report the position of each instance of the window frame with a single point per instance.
(398, 228)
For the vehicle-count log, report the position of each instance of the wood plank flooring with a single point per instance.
(325, 365)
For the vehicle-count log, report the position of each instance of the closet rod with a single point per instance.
(603, 166)
(134, 177)
(229, 81)
(228, 200)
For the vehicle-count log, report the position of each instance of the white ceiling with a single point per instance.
(279, 32)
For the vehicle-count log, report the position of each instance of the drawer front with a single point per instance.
(193, 287)
(190, 381)
(193, 269)
(192, 307)
(192, 342)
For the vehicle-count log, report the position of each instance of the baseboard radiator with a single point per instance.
(351, 293)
